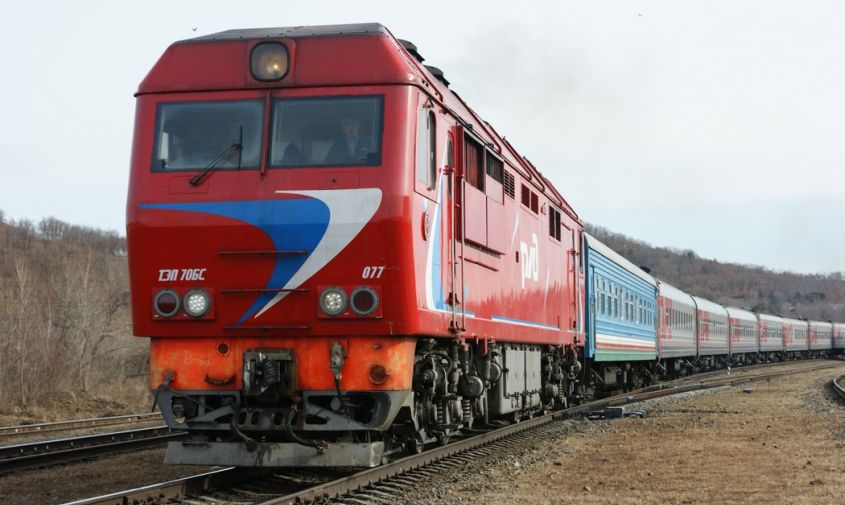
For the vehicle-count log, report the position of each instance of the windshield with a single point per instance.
(326, 131)
(192, 135)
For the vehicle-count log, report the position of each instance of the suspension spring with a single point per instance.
(441, 414)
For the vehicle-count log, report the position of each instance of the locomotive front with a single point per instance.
(268, 238)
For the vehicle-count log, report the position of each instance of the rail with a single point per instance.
(837, 385)
(95, 422)
(50, 452)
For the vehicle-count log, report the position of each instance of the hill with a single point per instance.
(64, 316)
(816, 296)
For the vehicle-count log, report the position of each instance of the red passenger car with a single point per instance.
(334, 257)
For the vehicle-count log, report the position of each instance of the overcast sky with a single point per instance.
(716, 126)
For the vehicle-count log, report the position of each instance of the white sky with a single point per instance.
(716, 126)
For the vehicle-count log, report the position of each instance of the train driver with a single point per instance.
(350, 149)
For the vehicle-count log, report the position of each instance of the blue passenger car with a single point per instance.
(622, 302)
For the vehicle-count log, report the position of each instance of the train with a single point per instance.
(336, 260)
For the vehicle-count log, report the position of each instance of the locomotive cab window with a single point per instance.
(196, 135)
(326, 131)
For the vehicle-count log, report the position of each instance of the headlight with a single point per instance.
(333, 301)
(166, 303)
(364, 300)
(269, 61)
(197, 302)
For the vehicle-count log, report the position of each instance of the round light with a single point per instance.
(378, 374)
(196, 302)
(333, 301)
(364, 300)
(166, 303)
(269, 61)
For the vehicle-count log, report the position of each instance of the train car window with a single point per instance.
(617, 302)
(195, 135)
(494, 169)
(554, 223)
(426, 148)
(473, 169)
(326, 131)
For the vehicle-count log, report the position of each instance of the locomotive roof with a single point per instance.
(295, 31)
(185, 66)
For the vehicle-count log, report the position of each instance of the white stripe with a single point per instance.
(349, 211)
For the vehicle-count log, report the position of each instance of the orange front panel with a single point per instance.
(199, 364)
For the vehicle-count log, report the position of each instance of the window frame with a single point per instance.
(380, 99)
(154, 166)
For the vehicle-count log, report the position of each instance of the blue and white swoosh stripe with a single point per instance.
(322, 223)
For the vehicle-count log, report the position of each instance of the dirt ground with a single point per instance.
(80, 480)
(783, 442)
(74, 405)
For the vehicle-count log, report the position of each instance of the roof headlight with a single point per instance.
(197, 303)
(333, 301)
(166, 303)
(269, 61)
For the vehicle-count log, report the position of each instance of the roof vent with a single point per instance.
(436, 72)
(412, 48)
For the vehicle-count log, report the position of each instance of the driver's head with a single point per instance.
(350, 126)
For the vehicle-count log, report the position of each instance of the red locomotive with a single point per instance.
(334, 257)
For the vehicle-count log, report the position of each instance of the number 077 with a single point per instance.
(373, 272)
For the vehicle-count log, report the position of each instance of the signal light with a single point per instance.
(166, 303)
(269, 61)
(333, 301)
(364, 301)
(197, 303)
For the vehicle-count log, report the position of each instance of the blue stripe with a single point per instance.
(291, 223)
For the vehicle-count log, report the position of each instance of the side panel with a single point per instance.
(712, 325)
(676, 323)
(622, 324)
(839, 336)
(821, 336)
(795, 335)
(742, 326)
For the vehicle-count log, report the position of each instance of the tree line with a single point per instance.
(812, 296)
(64, 312)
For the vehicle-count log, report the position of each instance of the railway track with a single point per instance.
(36, 454)
(96, 422)
(838, 385)
(384, 484)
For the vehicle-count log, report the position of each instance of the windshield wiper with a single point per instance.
(236, 148)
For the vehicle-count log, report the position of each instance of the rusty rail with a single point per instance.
(95, 422)
(37, 454)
